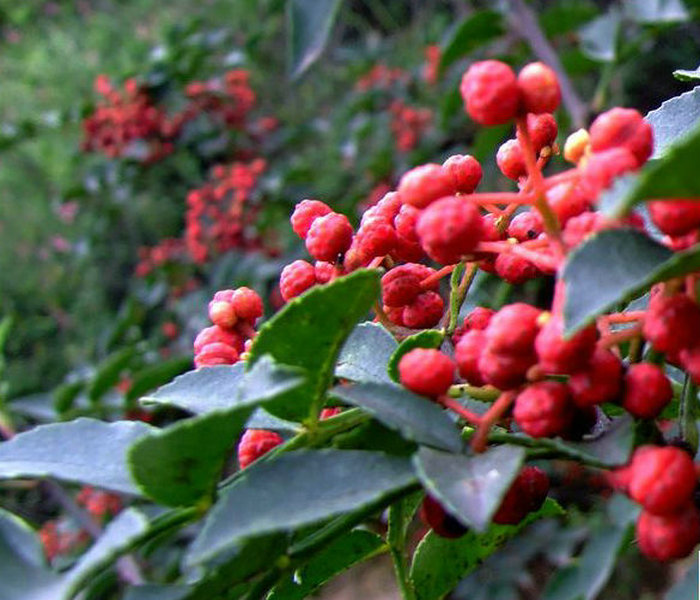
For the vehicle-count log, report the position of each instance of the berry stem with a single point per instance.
(456, 407)
(618, 337)
(429, 281)
(572, 175)
(542, 261)
(485, 393)
(507, 198)
(492, 416)
(458, 295)
(629, 317)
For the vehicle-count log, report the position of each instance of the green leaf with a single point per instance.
(118, 536)
(477, 29)
(688, 414)
(674, 119)
(201, 391)
(366, 353)
(672, 177)
(651, 12)
(84, 451)
(153, 376)
(157, 592)
(599, 37)
(469, 487)
(414, 417)
(586, 577)
(687, 74)
(109, 371)
(181, 465)
(295, 489)
(430, 338)
(348, 550)
(686, 588)
(440, 563)
(309, 24)
(309, 333)
(563, 17)
(400, 517)
(633, 262)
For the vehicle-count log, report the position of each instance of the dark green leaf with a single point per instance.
(109, 372)
(599, 37)
(477, 29)
(651, 12)
(296, 489)
(440, 563)
(416, 418)
(674, 119)
(586, 577)
(309, 24)
(469, 487)
(309, 333)
(84, 451)
(343, 553)
(633, 262)
(153, 376)
(563, 17)
(157, 592)
(400, 517)
(366, 353)
(430, 338)
(687, 75)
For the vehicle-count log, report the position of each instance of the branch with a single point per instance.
(524, 22)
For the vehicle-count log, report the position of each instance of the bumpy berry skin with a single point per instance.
(510, 160)
(690, 360)
(479, 318)
(559, 355)
(544, 409)
(449, 228)
(675, 217)
(543, 130)
(216, 334)
(647, 391)
(467, 353)
(329, 237)
(490, 92)
(600, 381)
(566, 201)
(623, 127)
(424, 311)
(526, 494)
(506, 371)
(248, 304)
(602, 168)
(671, 322)
(662, 479)
(305, 213)
(515, 269)
(539, 88)
(222, 312)
(423, 185)
(426, 372)
(439, 520)
(254, 444)
(402, 285)
(216, 353)
(465, 172)
(375, 238)
(324, 271)
(296, 278)
(669, 537)
(525, 226)
(514, 328)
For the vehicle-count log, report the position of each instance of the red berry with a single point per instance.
(329, 237)
(478, 318)
(623, 127)
(514, 328)
(662, 480)
(510, 160)
(216, 353)
(675, 217)
(248, 304)
(515, 269)
(255, 443)
(467, 353)
(465, 172)
(210, 335)
(305, 213)
(566, 201)
(490, 92)
(449, 229)
(505, 370)
(647, 391)
(542, 129)
(579, 228)
(525, 495)
(439, 520)
(375, 238)
(559, 355)
(602, 168)
(296, 278)
(425, 311)
(405, 222)
(539, 88)
(600, 381)
(423, 185)
(401, 285)
(690, 360)
(671, 322)
(525, 226)
(327, 413)
(324, 271)
(426, 372)
(221, 310)
(669, 537)
(544, 409)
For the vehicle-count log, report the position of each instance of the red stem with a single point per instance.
(490, 418)
(456, 407)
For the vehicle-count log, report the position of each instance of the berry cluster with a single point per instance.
(234, 313)
(381, 77)
(408, 124)
(228, 99)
